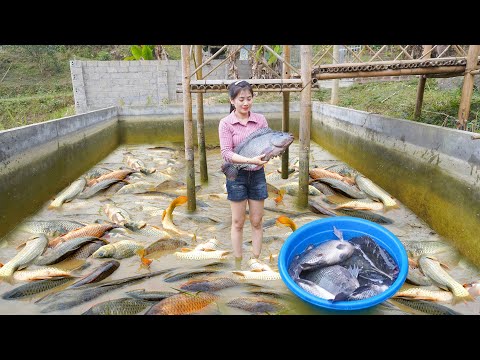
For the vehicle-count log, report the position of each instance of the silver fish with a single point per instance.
(35, 287)
(335, 279)
(119, 250)
(69, 193)
(375, 191)
(123, 306)
(50, 227)
(431, 267)
(33, 248)
(327, 253)
(314, 289)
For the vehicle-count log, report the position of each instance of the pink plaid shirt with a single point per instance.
(231, 132)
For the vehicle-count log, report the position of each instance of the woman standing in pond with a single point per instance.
(250, 185)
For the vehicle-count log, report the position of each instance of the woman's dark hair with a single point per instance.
(235, 87)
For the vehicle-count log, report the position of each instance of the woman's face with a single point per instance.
(243, 102)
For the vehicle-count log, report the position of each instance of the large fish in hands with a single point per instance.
(263, 141)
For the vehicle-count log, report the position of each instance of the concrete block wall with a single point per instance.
(99, 84)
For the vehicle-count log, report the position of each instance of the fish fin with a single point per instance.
(185, 249)
(338, 233)
(241, 273)
(340, 297)
(444, 265)
(354, 270)
(337, 199)
(21, 245)
(230, 171)
(208, 250)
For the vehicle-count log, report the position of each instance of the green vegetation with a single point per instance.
(35, 86)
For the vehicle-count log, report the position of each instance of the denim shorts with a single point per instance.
(248, 185)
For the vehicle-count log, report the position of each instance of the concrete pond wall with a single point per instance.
(432, 170)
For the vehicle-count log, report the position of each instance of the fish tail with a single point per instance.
(6, 273)
(135, 225)
(286, 221)
(390, 207)
(54, 204)
(230, 171)
(459, 294)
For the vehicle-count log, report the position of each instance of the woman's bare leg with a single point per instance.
(256, 216)
(236, 232)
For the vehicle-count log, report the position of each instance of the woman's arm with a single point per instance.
(226, 142)
(239, 159)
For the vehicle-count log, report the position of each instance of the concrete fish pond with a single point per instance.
(97, 223)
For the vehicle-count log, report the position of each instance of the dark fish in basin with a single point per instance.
(263, 141)
(380, 258)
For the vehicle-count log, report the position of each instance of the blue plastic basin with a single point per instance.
(321, 230)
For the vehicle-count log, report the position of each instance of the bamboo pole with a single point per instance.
(305, 124)
(335, 83)
(404, 52)
(421, 84)
(321, 57)
(224, 60)
(254, 89)
(393, 72)
(188, 128)
(467, 90)
(250, 81)
(377, 54)
(395, 62)
(281, 59)
(201, 121)
(199, 67)
(286, 109)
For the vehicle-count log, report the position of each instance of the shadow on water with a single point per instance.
(447, 205)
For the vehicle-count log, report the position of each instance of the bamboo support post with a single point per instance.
(305, 124)
(421, 84)
(335, 83)
(286, 110)
(467, 90)
(188, 128)
(201, 121)
(199, 67)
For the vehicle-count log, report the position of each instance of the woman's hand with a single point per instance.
(257, 160)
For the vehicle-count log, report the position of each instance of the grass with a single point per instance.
(35, 86)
